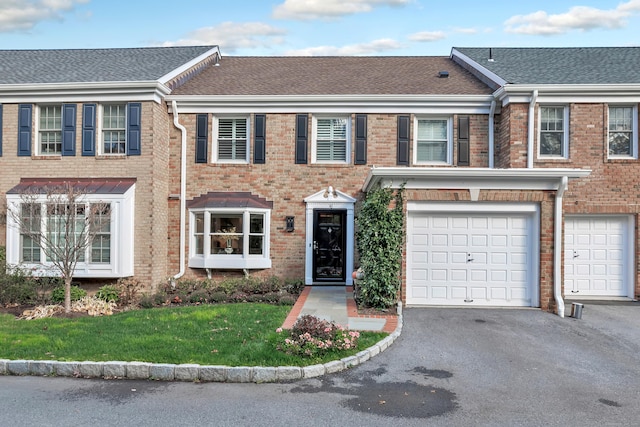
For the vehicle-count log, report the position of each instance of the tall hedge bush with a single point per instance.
(379, 239)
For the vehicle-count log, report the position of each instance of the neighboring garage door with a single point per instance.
(597, 255)
(472, 258)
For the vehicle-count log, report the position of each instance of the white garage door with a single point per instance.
(596, 260)
(471, 259)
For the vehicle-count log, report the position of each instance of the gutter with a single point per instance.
(492, 112)
(183, 188)
(532, 110)
(557, 244)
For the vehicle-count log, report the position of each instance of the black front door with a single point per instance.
(328, 246)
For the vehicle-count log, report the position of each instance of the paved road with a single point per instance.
(453, 367)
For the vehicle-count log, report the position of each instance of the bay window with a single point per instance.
(229, 238)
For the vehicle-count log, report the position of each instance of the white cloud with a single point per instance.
(231, 36)
(427, 36)
(22, 15)
(328, 9)
(374, 47)
(582, 18)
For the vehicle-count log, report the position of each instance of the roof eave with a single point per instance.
(478, 104)
(468, 178)
(519, 93)
(150, 90)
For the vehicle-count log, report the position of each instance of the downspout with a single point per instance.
(532, 112)
(557, 245)
(492, 112)
(183, 188)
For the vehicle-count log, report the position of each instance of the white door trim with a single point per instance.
(329, 199)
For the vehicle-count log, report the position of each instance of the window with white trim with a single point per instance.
(331, 139)
(111, 221)
(114, 129)
(58, 225)
(553, 132)
(230, 238)
(50, 130)
(623, 131)
(231, 140)
(433, 140)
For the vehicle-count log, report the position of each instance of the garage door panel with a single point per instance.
(596, 255)
(472, 259)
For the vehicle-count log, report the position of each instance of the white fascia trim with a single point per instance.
(481, 69)
(470, 178)
(417, 104)
(84, 92)
(614, 93)
(175, 73)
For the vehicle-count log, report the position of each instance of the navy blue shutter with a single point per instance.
(302, 136)
(259, 139)
(134, 128)
(89, 129)
(0, 129)
(68, 129)
(361, 140)
(202, 140)
(463, 141)
(403, 140)
(24, 129)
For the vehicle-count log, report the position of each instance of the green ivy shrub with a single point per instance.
(379, 239)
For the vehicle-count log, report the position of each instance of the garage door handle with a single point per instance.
(575, 254)
(469, 259)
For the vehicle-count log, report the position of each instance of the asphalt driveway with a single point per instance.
(510, 367)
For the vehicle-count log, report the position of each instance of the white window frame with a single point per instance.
(634, 132)
(565, 133)
(122, 241)
(100, 129)
(233, 260)
(215, 158)
(39, 129)
(449, 159)
(314, 138)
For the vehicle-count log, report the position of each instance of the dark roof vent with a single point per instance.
(443, 74)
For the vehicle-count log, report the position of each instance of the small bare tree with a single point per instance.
(59, 221)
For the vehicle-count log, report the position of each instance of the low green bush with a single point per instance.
(109, 293)
(77, 293)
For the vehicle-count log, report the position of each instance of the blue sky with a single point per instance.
(318, 27)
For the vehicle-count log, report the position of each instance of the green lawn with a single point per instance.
(226, 334)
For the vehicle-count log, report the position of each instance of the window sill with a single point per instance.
(229, 262)
(111, 156)
(47, 157)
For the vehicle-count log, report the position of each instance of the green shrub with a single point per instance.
(146, 301)
(199, 295)
(77, 293)
(109, 293)
(294, 286)
(379, 240)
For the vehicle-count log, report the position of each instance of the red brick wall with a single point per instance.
(613, 187)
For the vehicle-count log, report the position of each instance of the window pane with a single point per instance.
(331, 139)
(620, 131)
(551, 131)
(50, 130)
(114, 129)
(226, 233)
(232, 139)
(433, 140)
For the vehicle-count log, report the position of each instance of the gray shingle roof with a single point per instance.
(342, 75)
(581, 65)
(93, 65)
